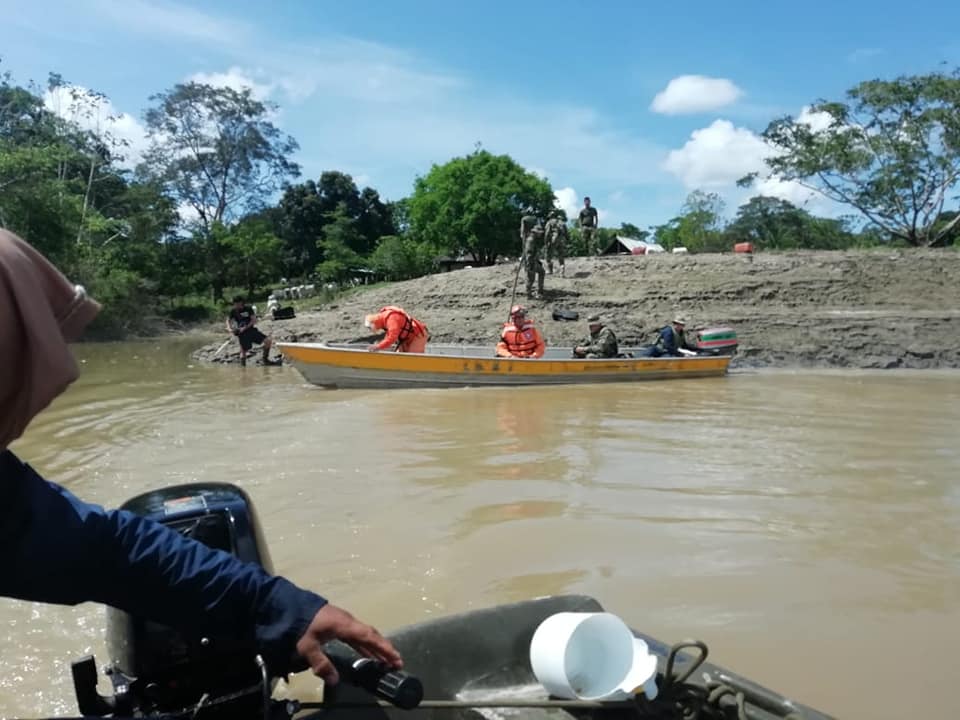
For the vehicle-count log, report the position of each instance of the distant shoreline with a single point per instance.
(869, 309)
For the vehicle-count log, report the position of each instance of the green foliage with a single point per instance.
(699, 226)
(629, 230)
(251, 253)
(402, 258)
(891, 151)
(772, 223)
(340, 237)
(305, 210)
(473, 205)
(216, 150)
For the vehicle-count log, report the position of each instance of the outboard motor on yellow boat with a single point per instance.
(156, 670)
(715, 341)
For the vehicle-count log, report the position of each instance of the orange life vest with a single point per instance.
(521, 340)
(411, 326)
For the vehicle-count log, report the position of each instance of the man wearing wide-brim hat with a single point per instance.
(602, 342)
(670, 340)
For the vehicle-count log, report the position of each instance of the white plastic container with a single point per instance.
(591, 656)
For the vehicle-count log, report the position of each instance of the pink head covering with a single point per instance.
(40, 312)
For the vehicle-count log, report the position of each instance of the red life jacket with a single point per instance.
(411, 326)
(519, 340)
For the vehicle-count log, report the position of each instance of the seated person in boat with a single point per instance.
(520, 337)
(602, 342)
(242, 322)
(403, 331)
(671, 341)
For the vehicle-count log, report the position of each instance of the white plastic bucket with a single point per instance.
(591, 656)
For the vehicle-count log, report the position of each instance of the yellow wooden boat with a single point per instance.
(353, 366)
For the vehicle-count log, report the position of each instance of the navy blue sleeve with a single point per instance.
(58, 549)
(668, 340)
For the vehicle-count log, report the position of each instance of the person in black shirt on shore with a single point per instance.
(243, 323)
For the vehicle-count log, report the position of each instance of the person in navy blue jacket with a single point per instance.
(59, 549)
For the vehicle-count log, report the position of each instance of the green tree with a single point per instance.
(340, 236)
(306, 208)
(473, 204)
(773, 223)
(251, 253)
(630, 230)
(891, 151)
(216, 150)
(698, 227)
(402, 258)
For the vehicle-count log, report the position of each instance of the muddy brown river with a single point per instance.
(806, 526)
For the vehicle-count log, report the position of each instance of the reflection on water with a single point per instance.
(800, 524)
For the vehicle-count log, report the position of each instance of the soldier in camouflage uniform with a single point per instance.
(588, 221)
(532, 233)
(555, 235)
(602, 343)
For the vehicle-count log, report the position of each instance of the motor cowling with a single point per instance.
(715, 341)
(158, 668)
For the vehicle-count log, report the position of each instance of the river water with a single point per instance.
(806, 526)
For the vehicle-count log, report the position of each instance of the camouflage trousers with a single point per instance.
(589, 235)
(555, 251)
(534, 271)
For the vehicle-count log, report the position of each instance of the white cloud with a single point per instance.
(817, 121)
(695, 93)
(97, 114)
(716, 156)
(236, 79)
(353, 103)
(566, 199)
(172, 20)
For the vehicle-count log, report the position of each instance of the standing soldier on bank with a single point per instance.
(532, 233)
(555, 235)
(588, 222)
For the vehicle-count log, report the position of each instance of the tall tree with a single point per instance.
(698, 227)
(474, 204)
(773, 223)
(630, 230)
(306, 208)
(891, 151)
(340, 237)
(216, 151)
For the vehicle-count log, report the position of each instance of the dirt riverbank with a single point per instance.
(860, 309)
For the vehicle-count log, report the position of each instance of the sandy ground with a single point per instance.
(859, 309)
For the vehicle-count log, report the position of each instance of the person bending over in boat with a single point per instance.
(403, 331)
(670, 341)
(242, 322)
(59, 549)
(602, 343)
(520, 337)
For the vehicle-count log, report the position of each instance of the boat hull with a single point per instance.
(463, 366)
(483, 655)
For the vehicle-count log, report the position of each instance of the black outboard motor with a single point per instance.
(155, 668)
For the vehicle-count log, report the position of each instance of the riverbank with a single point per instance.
(857, 309)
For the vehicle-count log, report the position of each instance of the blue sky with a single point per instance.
(632, 103)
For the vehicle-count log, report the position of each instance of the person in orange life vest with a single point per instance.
(403, 331)
(520, 338)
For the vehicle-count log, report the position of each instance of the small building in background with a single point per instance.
(629, 246)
